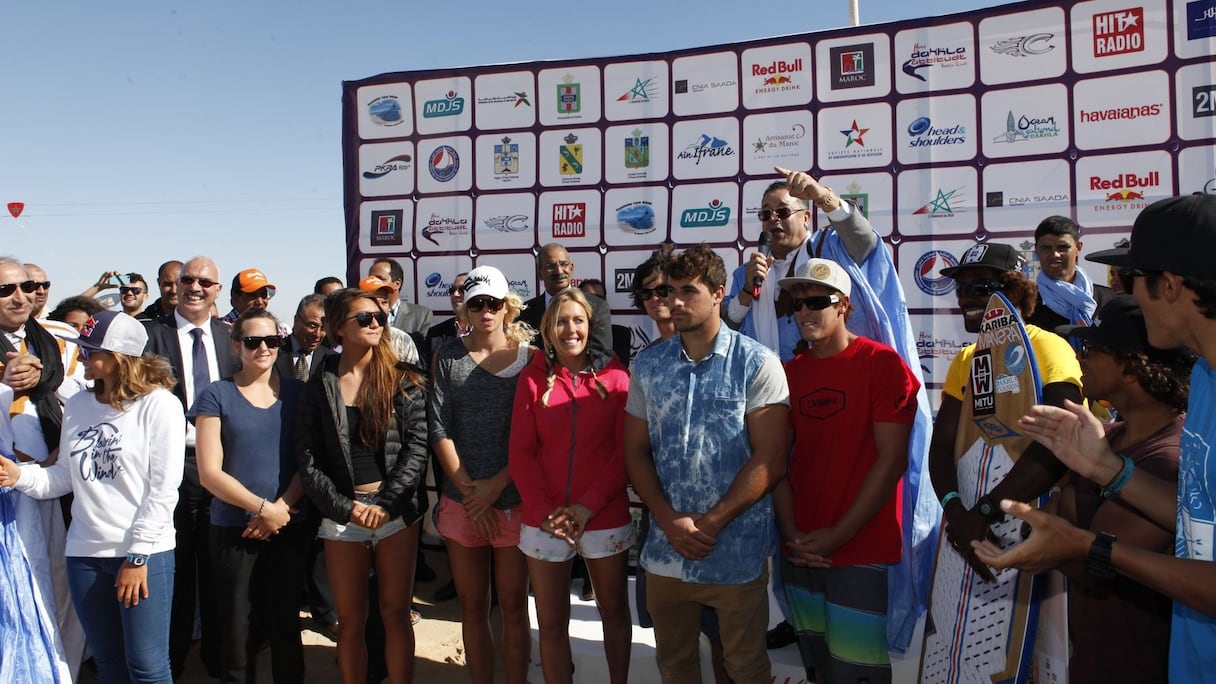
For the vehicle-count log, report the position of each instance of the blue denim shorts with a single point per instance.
(350, 532)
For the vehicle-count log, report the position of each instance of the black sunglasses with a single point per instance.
(815, 303)
(271, 341)
(7, 289)
(1088, 348)
(479, 303)
(131, 290)
(365, 318)
(663, 290)
(204, 283)
(781, 213)
(980, 288)
(41, 284)
(85, 352)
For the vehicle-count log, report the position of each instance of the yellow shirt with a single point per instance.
(1056, 358)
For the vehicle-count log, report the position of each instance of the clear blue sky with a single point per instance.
(137, 132)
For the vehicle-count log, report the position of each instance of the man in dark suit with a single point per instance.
(450, 328)
(622, 337)
(200, 351)
(555, 270)
(306, 352)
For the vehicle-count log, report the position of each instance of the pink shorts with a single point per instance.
(456, 527)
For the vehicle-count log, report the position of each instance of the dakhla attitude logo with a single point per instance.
(449, 105)
(1024, 46)
(851, 66)
(570, 219)
(943, 205)
(637, 150)
(642, 91)
(923, 57)
(1118, 33)
(1024, 127)
(706, 146)
(444, 225)
(570, 156)
(715, 215)
(777, 76)
(506, 157)
(400, 162)
(385, 111)
(569, 96)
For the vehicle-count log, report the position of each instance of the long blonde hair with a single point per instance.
(548, 331)
(515, 329)
(137, 376)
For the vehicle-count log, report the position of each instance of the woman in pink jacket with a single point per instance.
(566, 461)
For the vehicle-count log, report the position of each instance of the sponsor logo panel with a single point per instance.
(1113, 189)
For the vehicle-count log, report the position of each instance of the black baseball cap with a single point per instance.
(992, 255)
(1118, 325)
(1177, 234)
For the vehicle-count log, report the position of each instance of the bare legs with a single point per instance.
(471, 574)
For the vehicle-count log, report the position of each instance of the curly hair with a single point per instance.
(656, 263)
(699, 262)
(1165, 376)
(1020, 290)
(77, 303)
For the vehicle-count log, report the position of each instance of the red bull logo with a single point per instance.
(777, 67)
(777, 80)
(1124, 196)
(1126, 181)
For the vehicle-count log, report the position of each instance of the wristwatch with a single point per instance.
(1097, 563)
(991, 510)
(137, 559)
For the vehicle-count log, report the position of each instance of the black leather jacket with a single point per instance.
(323, 450)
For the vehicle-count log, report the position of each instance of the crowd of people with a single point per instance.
(220, 470)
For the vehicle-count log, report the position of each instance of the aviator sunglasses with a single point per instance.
(271, 341)
(7, 289)
(815, 303)
(781, 213)
(479, 303)
(365, 318)
(663, 290)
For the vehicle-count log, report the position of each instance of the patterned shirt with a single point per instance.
(696, 415)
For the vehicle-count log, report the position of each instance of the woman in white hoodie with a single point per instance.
(121, 455)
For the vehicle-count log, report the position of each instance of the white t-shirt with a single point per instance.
(124, 468)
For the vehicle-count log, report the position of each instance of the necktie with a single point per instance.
(302, 367)
(201, 371)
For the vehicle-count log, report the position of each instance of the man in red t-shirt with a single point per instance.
(852, 404)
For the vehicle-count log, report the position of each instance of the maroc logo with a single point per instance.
(1027, 127)
(443, 163)
(512, 223)
(940, 206)
(570, 219)
(450, 105)
(440, 225)
(1200, 19)
(637, 150)
(570, 156)
(923, 57)
(400, 162)
(1118, 33)
(1024, 46)
(636, 217)
(569, 96)
(642, 91)
(715, 215)
(385, 111)
(923, 134)
(777, 75)
(506, 157)
(386, 227)
(852, 66)
(927, 272)
(706, 146)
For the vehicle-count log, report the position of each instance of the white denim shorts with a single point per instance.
(538, 544)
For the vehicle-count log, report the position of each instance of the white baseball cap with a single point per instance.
(820, 272)
(485, 280)
(113, 331)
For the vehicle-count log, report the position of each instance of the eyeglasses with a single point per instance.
(781, 213)
(479, 303)
(41, 284)
(271, 341)
(365, 318)
(558, 266)
(204, 283)
(816, 303)
(85, 352)
(7, 289)
(131, 290)
(646, 293)
(980, 288)
(1088, 348)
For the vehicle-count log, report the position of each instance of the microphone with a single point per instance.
(766, 249)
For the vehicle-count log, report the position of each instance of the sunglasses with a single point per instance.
(479, 303)
(980, 288)
(7, 289)
(41, 284)
(365, 318)
(1088, 348)
(646, 293)
(271, 341)
(131, 290)
(557, 266)
(85, 352)
(816, 303)
(204, 283)
(780, 213)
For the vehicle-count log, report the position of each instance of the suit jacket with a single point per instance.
(414, 319)
(163, 341)
(601, 318)
(285, 365)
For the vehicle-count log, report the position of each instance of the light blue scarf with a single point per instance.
(1074, 301)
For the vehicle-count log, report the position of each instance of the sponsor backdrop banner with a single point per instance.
(943, 131)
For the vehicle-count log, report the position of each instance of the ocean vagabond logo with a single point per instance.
(1119, 32)
(706, 146)
(570, 219)
(385, 111)
(400, 162)
(927, 272)
(450, 105)
(507, 223)
(715, 215)
(636, 217)
(923, 57)
(923, 134)
(443, 163)
(1024, 46)
(444, 225)
(1027, 127)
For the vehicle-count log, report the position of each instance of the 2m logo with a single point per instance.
(1203, 101)
(623, 278)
